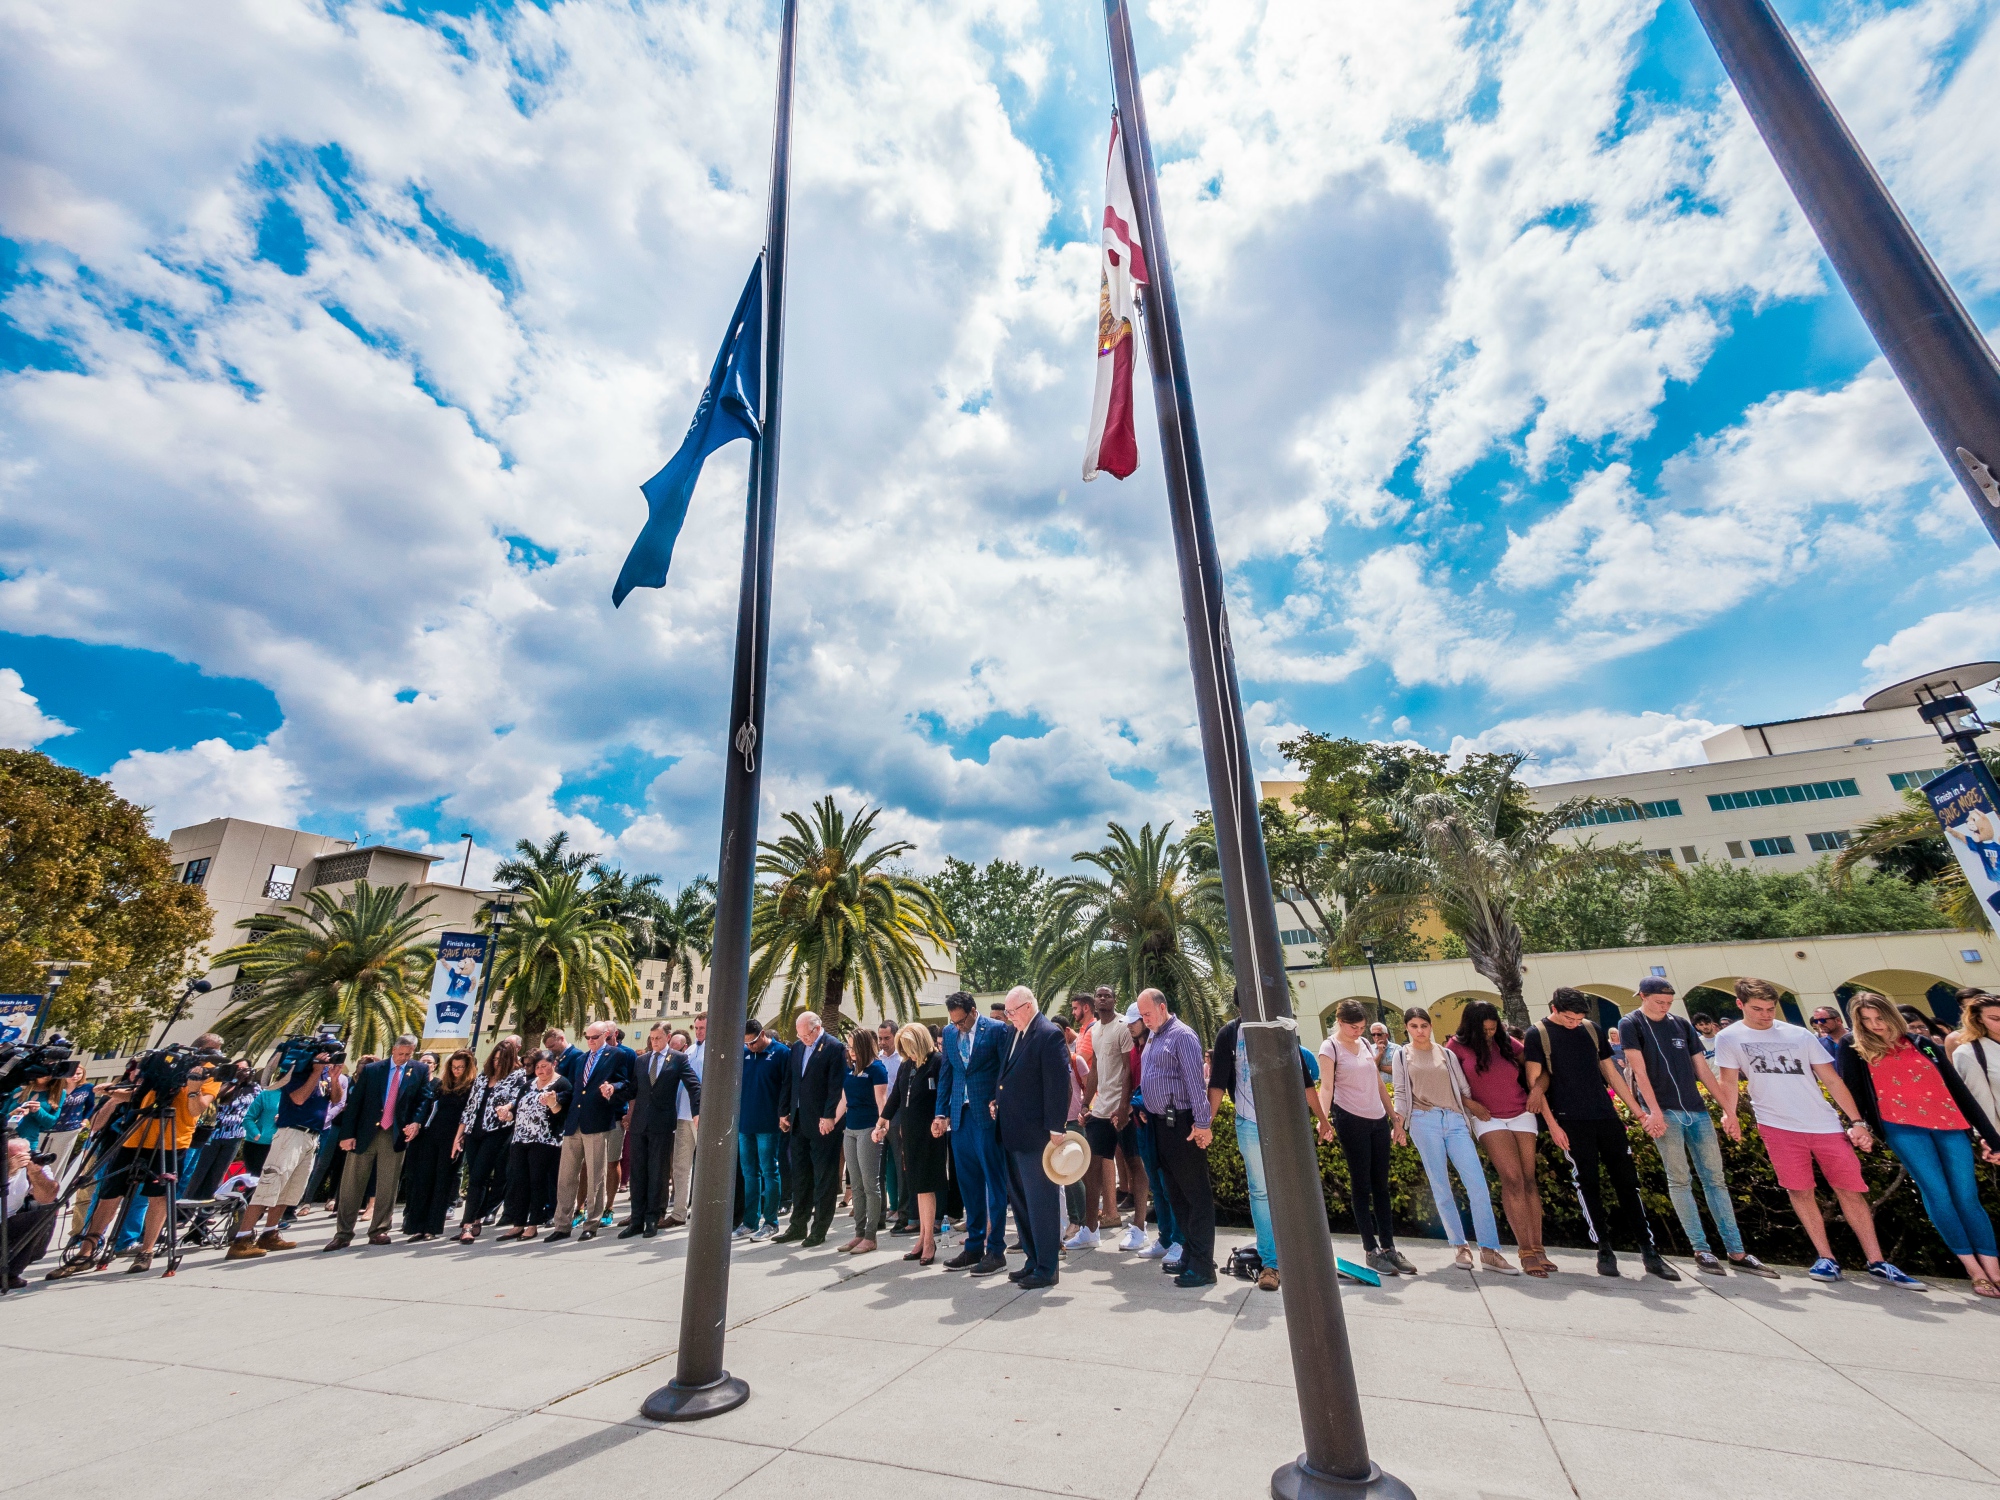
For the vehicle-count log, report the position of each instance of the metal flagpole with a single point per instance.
(1336, 1462)
(1924, 332)
(701, 1387)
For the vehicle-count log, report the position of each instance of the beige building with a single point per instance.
(1911, 968)
(250, 869)
(663, 996)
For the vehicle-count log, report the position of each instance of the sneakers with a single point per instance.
(1382, 1263)
(762, 1236)
(245, 1247)
(745, 1232)
(1172, 1262)
(1881, 1270)
(1402, 1265)
(1607, 1263)
(986, 1265)
(1749, 1265)
(605, 1221)
(966, 1257)
(1153, 1251)
(1134, 1239)
(1083, 1239)
(1824, 1269)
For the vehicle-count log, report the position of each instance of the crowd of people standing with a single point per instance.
(1086, 1129)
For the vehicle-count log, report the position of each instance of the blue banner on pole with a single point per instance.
(461, 961)
(17, 1017)
(1967, 803)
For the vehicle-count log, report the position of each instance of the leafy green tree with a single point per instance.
(1299, 862)
(1473, 850)
(1147, 920)
(1909, 843)
(993, 910)
(681, 932)
(83, 880)
(560, 960)
(360, 964)
(548, 859)
(836, 915)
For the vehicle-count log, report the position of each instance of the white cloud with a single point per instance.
(1949, 638)
(212, 779)
(23, 725)
(1591, 742)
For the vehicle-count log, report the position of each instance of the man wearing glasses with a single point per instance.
(1828, 1028)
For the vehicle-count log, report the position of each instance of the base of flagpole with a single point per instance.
(1301, 1481)
(674, 1402)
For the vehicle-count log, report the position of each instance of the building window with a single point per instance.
(1670, 808)
(336, 868)
(195, 871)
(1690, 855)
(1773, 796)
(1735, 849)
(1409, 984)
(1904, 781)
(1970, 955)
(1765, 848)
(1826, 843)
(1664, 856)
(1659, 971)
(278, 885)
(1292, 937)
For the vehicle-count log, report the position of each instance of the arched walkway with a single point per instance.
(1932, 994)
(1699, 1003)
(1391, 1012)
(1448, 1010)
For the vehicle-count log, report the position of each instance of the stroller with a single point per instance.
(209, 1223)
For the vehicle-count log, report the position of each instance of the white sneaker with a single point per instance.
(1135, 1239)
(1173, 1260)
(768, 1232)
(1153, 1251)
(740, 1232)
(1083, 1239)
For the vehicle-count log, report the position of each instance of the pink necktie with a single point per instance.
(389, 1104)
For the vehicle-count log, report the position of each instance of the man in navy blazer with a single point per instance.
(973, 1045)
(603, 1087)
(817, 1068)
(1031, 1108)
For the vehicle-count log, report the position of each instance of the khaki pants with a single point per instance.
(683, 1167)
(381, 1154)
(581, 1178)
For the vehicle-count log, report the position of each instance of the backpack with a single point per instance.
(1549, 1051)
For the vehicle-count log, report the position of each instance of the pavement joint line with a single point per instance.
(1814, 1457)
(1534, 1405)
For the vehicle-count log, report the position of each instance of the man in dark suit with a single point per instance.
(379, 1120)
(603, 1087)
(973, 1045)
(1031, 1108)
(662, 1074)
(818, 1070)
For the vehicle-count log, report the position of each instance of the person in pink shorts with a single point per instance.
(1786, 1069)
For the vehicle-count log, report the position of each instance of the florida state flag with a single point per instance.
(1112, 448)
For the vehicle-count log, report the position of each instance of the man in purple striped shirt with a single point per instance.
(1177, 1101)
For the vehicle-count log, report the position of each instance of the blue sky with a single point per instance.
(335, 340)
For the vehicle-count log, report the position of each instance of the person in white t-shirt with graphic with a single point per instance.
(1786, 1068)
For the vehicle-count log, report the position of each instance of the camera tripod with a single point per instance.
(161, 1163)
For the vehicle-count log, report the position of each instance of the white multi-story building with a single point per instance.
(1777, 796)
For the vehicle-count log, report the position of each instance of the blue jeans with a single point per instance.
(1943, 1164)
(757, 1159)
(1260, 1200)
(1442, 1137)
(1156, 1184)
(1691, 1134)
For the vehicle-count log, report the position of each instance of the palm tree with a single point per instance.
(832, 918)
(560, 961)
(1472, 853)
(1914, 824)
(627, 899)
(1151, 921)
(358, 964)
(546, 859)
(682, 931)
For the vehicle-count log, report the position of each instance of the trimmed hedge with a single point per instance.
(1763, 1209)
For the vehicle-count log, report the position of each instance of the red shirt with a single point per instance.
(1909, 1091)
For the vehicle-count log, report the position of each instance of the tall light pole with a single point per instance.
(1381, 1010)
(498, 910)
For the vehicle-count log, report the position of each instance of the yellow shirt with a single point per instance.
(188, 1110)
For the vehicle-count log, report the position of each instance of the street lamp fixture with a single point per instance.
(1944, 701)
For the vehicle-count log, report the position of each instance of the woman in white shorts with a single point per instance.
(1505, 1127)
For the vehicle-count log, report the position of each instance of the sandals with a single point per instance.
(468, 1234)
(1981, 1287)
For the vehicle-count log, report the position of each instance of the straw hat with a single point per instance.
(1066, 1159)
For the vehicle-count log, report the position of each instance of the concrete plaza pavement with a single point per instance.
(483, 1372)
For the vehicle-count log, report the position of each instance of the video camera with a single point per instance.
(167, 1070)
(30, 1062)
(296, 1052)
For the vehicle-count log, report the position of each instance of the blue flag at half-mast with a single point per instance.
(728, 411)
